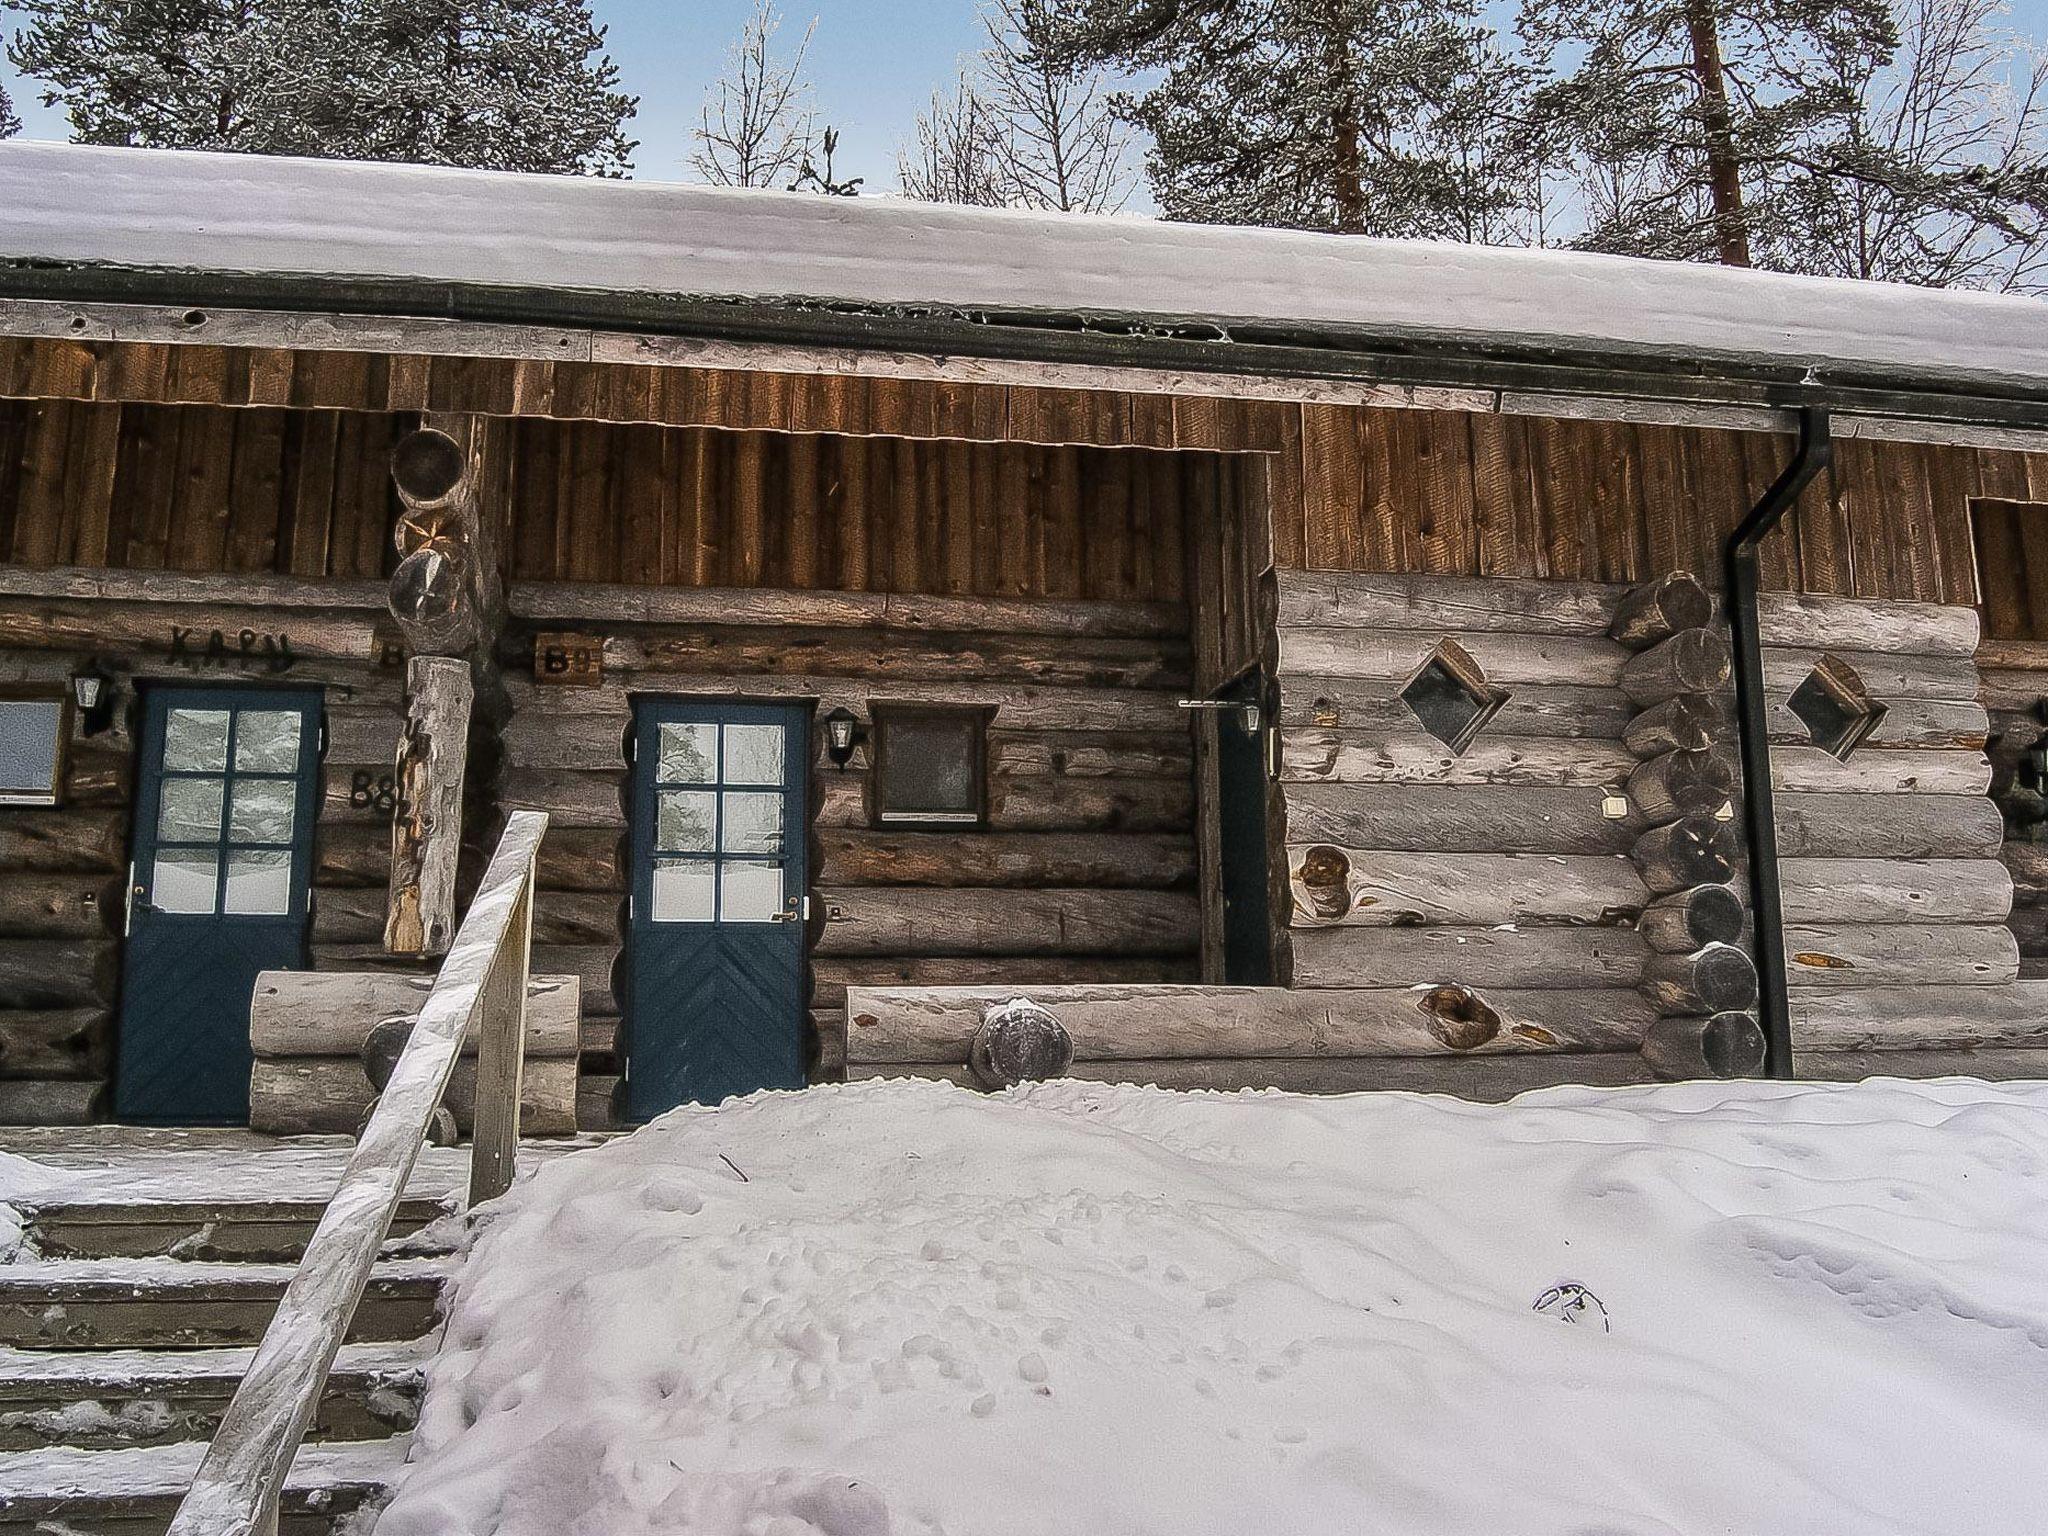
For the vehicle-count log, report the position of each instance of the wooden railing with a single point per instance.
(482, 985)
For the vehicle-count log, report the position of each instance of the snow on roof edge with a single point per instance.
(325, 220)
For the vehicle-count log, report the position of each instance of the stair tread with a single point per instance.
(27, 1371)
(165, 1471)
(120, 1204)
(98, 1279)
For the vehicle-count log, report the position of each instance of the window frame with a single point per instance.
(882, 718)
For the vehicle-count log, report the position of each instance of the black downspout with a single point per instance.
(1753, 729)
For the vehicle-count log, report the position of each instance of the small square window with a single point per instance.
(1450, 697)
(930, 765)
(1834, 706)
(33, 734)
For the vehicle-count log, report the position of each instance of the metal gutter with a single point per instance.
(1752, 721)
(1143, 345)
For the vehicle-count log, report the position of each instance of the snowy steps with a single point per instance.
(126, 1326)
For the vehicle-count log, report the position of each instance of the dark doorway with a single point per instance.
(714, 995)
(227, 791)
(1242, 792)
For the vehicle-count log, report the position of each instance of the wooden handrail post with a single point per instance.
(501, 1059)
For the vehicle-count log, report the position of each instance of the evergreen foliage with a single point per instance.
(519, 85)
(9, 123)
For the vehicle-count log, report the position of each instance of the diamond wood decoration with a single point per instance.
(1838, 712)
(1450, 697)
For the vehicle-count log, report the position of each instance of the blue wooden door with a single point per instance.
(715, 948)
(227, 791)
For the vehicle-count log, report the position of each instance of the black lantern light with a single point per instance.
(92, 690)
(843, 733)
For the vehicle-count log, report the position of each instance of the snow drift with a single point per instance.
(906, 1309)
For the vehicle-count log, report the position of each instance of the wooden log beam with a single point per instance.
(833, 975)
(886, 657)
(1679, 783)
(1468, 957)
(426, 826)
(1895, 890)
(1867, 624)
(1371, 757)
(1041, 803)
(1911, 1019)
(1691, 661)
(47, 1102)
(1839, 955)
(1455, 819)
(1460, 604)
(1721, 1045)
(1886, 676)
(329, 1095)
(331, 1013)
(1698, 850)
(63, 842)
(58, 973)
(1488, 1081)
(1379, 888)
(1909, 725)
(1842, 826)
(1657, 610)
(79, 906)
(1506, 659)
(68, 1043)
(893, 921)
(1691, 919)
(1801, 769)
(565, 605)
(1991, 1063)
(859, 856)
(935, 1024)
(1369, 706)
(1716, 979)
(236, 640)
(1683, 723)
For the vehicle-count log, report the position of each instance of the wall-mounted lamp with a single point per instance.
(92, 690)
(843, 732)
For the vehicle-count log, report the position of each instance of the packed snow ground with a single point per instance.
(904, 1309)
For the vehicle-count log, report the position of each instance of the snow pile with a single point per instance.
(906, 1309)
(23, 1182)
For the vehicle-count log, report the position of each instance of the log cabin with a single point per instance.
(1290, 660)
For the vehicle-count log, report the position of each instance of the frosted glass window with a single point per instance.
(267, 741)
(753, 754)
(689, 754)
(189, 811)
(685, 820)
(683, 890)
(752, 823)
(31, 737)
(259, 882)
(196, 740)
(262, 811)
(185, 880)
(749, 892)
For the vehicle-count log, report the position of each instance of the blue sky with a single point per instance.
(874, 63)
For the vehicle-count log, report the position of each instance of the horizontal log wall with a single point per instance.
(1085, 873)
(1496, 873)
(63, 869)
(2015, 683)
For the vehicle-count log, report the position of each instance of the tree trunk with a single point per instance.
(426, 831)
(1724, 169)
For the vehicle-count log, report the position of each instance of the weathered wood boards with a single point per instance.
(426, 826)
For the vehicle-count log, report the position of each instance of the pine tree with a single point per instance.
(504, 84)
(9, 123)
(1674, 112)
(1390, 117)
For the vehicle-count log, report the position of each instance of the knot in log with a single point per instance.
(1463, 1020)
(1326, 880)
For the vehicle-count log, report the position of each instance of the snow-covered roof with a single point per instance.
(303, 226)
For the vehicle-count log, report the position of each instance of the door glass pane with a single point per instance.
(267, 741)
(259, 882)
(190, 813)
(689, 753)
(753, 754)
(685, 819)
(196, 740)
(682, 890)
(749, 892)
(184, 880)
(752, 824)
(262, 811)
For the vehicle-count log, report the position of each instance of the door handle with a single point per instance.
(798, 911)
